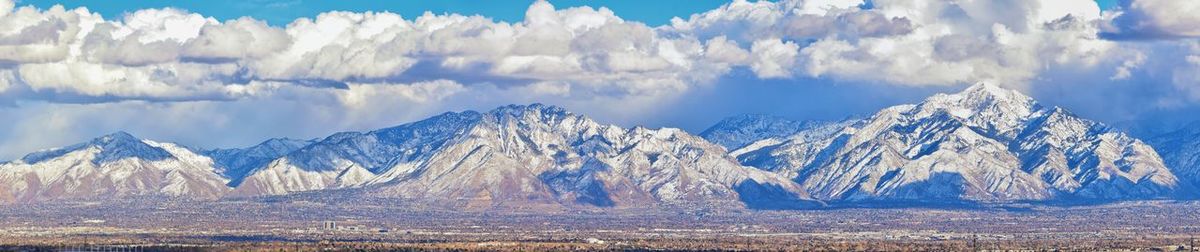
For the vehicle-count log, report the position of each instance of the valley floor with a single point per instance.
(262, 225)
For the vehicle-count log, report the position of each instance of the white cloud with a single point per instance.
(242, 38)
(6, 6)
(176, 81)
(722, 50)
(175, 55)
(1157, 19)
(773, 58)
(360, 95)
(28, 35)
(6, 80)
(580, 56)
(1125, 70)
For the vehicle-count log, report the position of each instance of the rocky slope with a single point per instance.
(985, 144)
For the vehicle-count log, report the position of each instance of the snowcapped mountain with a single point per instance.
(350, 159)
(533, 156)
(738, 131)
(1180, 150)
(525, 156)
(985, 144)
(235, 163)
(115, 165)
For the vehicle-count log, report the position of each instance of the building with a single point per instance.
(330, 225)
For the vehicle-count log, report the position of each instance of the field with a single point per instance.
(302, 225)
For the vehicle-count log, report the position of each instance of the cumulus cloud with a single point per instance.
(773, 58)
(1156, 19)
(243, 38)
(915, 42)
(174, 55)
(356, 62)
(360, 95)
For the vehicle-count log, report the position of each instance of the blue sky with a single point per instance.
(282, 12)
(178, 75)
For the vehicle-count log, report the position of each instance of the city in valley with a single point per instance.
(313, 225)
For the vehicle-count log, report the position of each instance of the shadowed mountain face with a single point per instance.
(235, 163)
(738, 131)
(997, 145)
(1180, 150)
(983, 145)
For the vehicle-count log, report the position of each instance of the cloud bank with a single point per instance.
(348, 70)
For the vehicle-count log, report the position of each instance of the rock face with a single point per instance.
(985, 144)
(116, 165)
(1181, 152)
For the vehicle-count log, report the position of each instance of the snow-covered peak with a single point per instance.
(738, 131)
(282, 144)
(439, 123)
(984, 143)
(536, 113)
(113, 165)
(539, 119)
(983, 107)
(122, 145)
(234, 163)
(115, 146)
(980, 100)
(535, 108)
(982, 89)
(119, 136)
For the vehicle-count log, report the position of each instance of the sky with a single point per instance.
(282, 12)
(221, 73)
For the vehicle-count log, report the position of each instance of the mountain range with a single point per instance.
(983, 145)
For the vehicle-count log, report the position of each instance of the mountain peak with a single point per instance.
(277, 142)
(982, 99)
(118, 136)
(984, 89)
(737, 131)
(747, 118)
(518, 110)
(985, 86)
(535, 113)
(113, 146)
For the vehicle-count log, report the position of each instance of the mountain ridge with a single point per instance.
(511, 156)
(985, 144)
